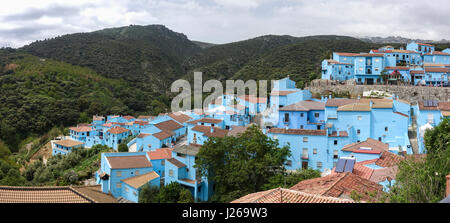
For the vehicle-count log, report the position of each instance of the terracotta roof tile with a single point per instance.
(281, 195)
(371, 143)
(169, 125)
(217, 132)
(68, 143)
(422, 107)
(253, 99)
(282, 93)
(81, 129)
(22, 194)
(163, 135)
(117, 130)
(340, 185)
(176, 163)
(444, 106)
(127, 162)
(304, 106)
(206, 120)
(128, 117)
(355, 107)
(180, 117)
(140, 180)
(163, 153)
(437, 69)
(336, 102)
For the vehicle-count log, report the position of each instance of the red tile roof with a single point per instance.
(281, 195)
(128, 117)
(253, 99)
(81, 129)
(141, 122)
(341, 134)
(437, 69)
(45, 194)
(304, 106)
(417, 72)
(438, 53)
(163, 153)
(424, 44)
(117, 130)
(176, 163)
(143, 135)
(297, 131)
(206, 120)
(163, 135)
(180, 117)
(399, 113)
(397, 68)
(340, 185)
(444, 106)
(168, 126)
(347, 54)
(98, 118)
(336, 102)
(128, 162)
(376, 146)
(217, 132)
(282, 93)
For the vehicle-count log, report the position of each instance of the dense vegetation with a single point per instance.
(148, 56)
(171, 193)
(38, 94)
(241, 165)
(423, 181)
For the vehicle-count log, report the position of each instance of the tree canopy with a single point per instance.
(423, 180)
(240, 165)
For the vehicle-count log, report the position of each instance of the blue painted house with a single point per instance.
(180, 168)
(124, 174)
(303, 115)
(65, 146)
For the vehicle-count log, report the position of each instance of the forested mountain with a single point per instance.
(37, 94)
(148, 56)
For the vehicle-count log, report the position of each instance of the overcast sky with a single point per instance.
(223, 21)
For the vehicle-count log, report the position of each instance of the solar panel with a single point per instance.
(426, 103)
(340, 166)
(435, 103)
(349, 166)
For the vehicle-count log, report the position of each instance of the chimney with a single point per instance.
(212, 129)
(447, 191)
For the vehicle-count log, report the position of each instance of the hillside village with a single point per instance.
(354, 142)
(420, 64)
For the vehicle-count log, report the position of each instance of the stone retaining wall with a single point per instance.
(409, 93)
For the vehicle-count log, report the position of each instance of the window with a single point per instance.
(171, 173)
(163, 162)
(335, 154)
(301, 126)
(286, 117)
(379, 139)
(181, 155)
(126, 189)
(314, 151)
(301, 114)
(118, 173)
(118, 185)
(360, 69)
(212, 125)
(360, 60)
(137, 172)
(335, 142)
(316, 114)
(305, 153)
(358, 131)
(305, 139)
(289, 163)
(319, 165)
(386, 128)
(359, 117)
(377, 60)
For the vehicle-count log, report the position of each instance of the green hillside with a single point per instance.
(150, 57)
(38, 94)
